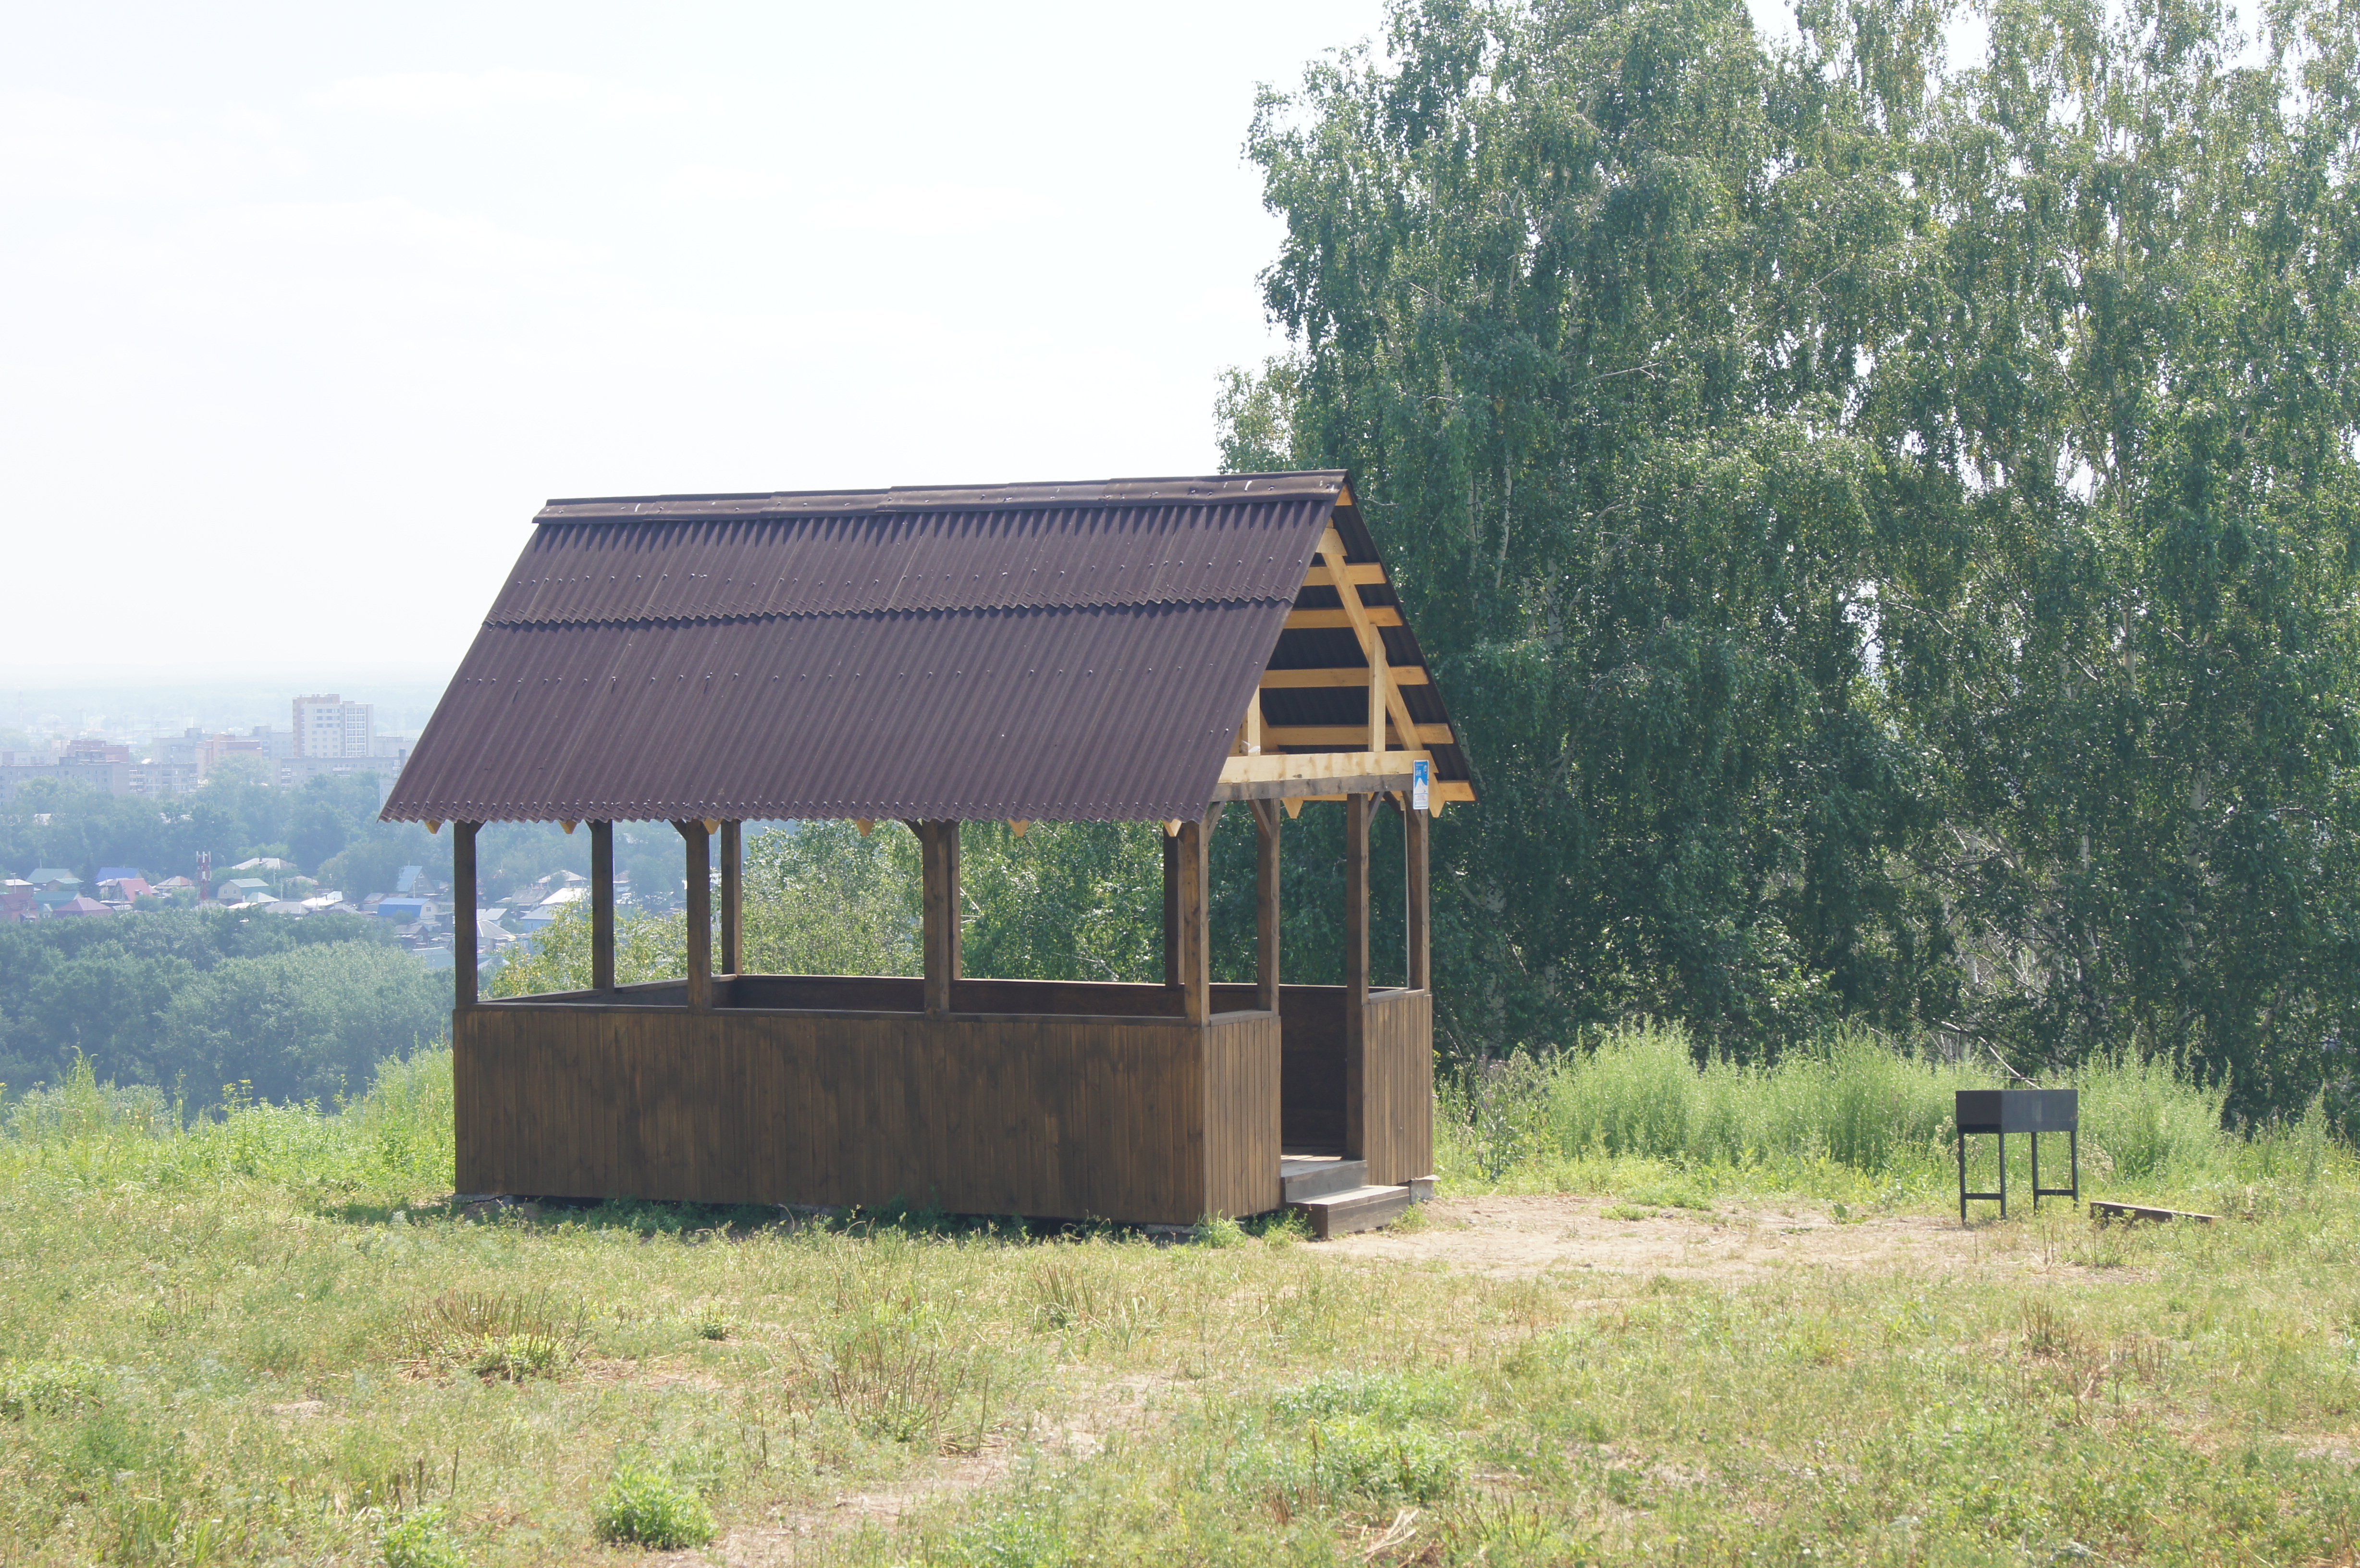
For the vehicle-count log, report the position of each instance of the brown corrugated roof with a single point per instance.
(1049, 652)
(837, 563)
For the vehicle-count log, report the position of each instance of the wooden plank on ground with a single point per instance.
(2102, 1210)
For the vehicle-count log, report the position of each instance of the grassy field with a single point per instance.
(1660, 1315)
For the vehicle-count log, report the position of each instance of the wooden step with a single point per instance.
(1356, 1208)
(1300, 1178)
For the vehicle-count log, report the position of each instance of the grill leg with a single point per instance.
(2074, 1153)
(2035, 1136)
(1962, 1177)
(2003, 1175)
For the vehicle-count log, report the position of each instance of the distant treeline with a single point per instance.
(288, 1008)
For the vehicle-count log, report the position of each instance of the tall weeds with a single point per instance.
(396, 1137)
(1858, 1109)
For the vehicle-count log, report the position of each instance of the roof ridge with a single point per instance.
(1176, 490)
(750, 617)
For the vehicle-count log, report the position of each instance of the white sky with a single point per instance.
(305, 309)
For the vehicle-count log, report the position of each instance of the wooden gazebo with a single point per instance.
(1148, 649)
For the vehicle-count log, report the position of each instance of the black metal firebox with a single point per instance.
(2030, 1111)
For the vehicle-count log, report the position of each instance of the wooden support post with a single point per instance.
(1356, 976)
(1421, 908)
(1266, 822)
(938, 857)
(733, 898)
(1171, 909)
(700, 915)
(1196, 911)
(463, 914)
(602, 906)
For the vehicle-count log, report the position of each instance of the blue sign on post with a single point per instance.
(1420, 781)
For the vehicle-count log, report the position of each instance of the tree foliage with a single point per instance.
(291, 1009)
(1889, 535)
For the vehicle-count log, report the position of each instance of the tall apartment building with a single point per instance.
(327, 725)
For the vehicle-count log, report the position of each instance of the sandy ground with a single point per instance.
(1512, 1237)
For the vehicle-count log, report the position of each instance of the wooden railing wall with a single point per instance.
(1150, 1121)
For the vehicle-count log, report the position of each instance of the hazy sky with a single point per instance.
(304, 309)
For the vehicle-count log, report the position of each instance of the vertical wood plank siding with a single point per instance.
(1241, 1113)
(1400, 1086)
(1150, 1121)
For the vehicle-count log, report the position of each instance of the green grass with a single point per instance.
(271, 1337)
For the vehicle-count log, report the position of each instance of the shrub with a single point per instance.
(1219, 1230)
(643, 1507)
(495, 1336)
(900, 1370)
(1351, 1459)
(420, 1539)
(46, 1388)
(1395, 1396)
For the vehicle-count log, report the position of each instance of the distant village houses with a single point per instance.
(326, 735)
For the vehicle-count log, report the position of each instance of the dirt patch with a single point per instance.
(1079, 1432)
(2343, 1450)
(1511, 1236)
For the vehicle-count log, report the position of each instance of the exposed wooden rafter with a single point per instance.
(1340, 620)
(1341, 675)
(1275, 776)
(1383, 697)
(1337, 737)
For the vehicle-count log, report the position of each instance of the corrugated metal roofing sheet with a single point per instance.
(949, 560)
(1097, 713)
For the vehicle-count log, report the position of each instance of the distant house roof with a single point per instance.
(402, 909)
(264, 863)
(79, 905)
(117, 873)
(1049, 651)
(48, 876)
(127, 888)
(407, 878)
